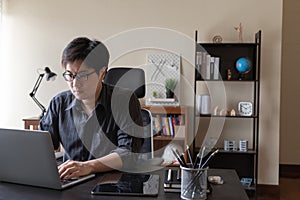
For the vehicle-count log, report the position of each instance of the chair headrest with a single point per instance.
(130, 78)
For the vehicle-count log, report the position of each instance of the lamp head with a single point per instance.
(50, 76)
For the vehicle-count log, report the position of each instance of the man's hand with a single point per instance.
(72, 169)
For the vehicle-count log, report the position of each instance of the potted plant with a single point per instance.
(170, 85)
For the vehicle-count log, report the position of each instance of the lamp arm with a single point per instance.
(40, 106)
(37, 85)
(33, 92)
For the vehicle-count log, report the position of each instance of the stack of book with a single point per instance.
(167, 125)
(208, 66)
(172, 181)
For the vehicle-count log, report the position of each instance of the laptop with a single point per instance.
(27, 157)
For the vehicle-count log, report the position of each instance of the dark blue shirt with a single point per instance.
(114, 126)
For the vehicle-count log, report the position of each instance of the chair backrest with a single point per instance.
(134, 79)
(130, 78)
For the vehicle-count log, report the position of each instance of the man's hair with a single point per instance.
(93, 53)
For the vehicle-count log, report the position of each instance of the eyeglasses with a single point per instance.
(68, 76)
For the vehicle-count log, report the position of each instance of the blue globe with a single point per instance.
(243, 65)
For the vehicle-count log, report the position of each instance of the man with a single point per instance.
(100, 129)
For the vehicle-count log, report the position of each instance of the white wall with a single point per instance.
(35, 32)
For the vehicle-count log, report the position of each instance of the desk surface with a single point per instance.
(232, 189)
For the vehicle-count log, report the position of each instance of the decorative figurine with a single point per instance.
(232, 112)
(223, 112)
(239, 29)
(217, 39)
(228, 74)
(216, 110)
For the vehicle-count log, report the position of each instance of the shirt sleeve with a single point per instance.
(49, 123)
(130, 134)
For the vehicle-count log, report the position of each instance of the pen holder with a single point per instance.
(193, 183)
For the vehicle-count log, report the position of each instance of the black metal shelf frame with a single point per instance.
(229, 53)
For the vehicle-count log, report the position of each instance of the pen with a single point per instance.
(182, 159)
(189, 154)
(201, 157)
(196, 160)
(176, 150)
(177, 156)
(211, 155)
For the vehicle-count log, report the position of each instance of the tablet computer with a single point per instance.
(127, 184)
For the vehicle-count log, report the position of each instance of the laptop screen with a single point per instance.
(127, 184)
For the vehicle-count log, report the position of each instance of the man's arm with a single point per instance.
(71, 169)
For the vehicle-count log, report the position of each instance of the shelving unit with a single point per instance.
(31, 123)
(180, 137)
(237, 88)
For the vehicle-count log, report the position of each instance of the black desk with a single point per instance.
(232, 189)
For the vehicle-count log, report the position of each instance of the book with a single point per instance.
(172, 181)
(216, 68)
(172, 190)
(212, 63)
(172, 132)
(180, 120)
(207, 70)
(167, 125)
(173, 124)
(203, 65)
(164, 126)
(198, 61)
(179, 131)
(172, 185)
(177, 122)
(157, 127)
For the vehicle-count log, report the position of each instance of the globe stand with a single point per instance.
(242, 76)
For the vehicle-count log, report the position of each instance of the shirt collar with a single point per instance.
(74, 104)
(101, 100)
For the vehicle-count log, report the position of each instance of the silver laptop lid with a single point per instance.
(27, 157)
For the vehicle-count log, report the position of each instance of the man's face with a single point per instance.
(85, 82)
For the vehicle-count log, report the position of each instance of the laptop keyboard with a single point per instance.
(66, 181)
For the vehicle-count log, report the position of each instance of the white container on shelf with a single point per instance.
(198, 104)
(205, 105)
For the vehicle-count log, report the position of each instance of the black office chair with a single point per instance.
(134, 79)
(130, 78)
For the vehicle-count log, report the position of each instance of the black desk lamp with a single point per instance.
(50, 76)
